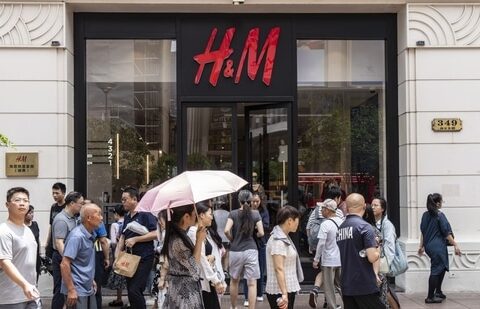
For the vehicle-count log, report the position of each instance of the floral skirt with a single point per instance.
(384, 291)
(156, 279)
(116, 281)
(183, 293)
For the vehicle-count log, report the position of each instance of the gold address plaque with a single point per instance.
(21, 164)
(447, 124)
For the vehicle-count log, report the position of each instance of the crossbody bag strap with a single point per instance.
(382, 253)
(334, 223)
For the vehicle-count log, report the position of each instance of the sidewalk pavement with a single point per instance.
(407, 301)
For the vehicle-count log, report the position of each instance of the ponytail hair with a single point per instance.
(212, 230)
(172, 228)
(432, 200)
(246, 219)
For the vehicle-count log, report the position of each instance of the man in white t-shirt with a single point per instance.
(18, 254)
(328, 252)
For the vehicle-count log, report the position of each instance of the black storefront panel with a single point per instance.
(236, 56)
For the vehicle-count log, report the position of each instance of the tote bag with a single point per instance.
(126, 264)
(399, 264)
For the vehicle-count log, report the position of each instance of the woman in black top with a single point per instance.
(36, 232)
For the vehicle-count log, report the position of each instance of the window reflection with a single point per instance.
(131, 115)
(340, 118)
(209, 138)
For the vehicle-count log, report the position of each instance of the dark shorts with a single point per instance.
(371, 301)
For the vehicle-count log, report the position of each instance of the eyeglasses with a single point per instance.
(245, 202)
(18, 200)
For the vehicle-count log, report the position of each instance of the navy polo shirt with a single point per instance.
(144, 249)
(354, 236)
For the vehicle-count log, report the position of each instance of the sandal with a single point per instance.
(115, 303)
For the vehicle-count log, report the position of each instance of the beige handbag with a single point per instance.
(384, 266)
(126, 264)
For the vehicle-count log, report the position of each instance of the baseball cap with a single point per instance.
(329, 204)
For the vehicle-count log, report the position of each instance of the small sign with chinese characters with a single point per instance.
(21, 164)
(447, 124)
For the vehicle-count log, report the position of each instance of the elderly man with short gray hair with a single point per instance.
(78, 263)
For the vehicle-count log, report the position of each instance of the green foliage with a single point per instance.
(5, 141)
(197, 161)
(275, 170)
(133, 150)
(365, 144)
(323, 142)
(163, 169)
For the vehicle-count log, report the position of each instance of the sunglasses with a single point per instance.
(245, 202)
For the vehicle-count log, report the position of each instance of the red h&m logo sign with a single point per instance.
(218, 57)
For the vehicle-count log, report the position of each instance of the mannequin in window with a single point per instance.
(282, 151)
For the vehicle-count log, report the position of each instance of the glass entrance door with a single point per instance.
(267, 154)
(251, 140)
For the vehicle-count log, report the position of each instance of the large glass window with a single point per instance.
(341, 122)
(131, 115)
(209, 138)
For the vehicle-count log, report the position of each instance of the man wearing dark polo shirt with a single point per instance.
(141, 245)
(358, 251)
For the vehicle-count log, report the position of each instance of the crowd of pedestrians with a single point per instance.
(191, 252)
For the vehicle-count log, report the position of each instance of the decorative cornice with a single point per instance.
(467, 261)
(32, 24)
(444, 25)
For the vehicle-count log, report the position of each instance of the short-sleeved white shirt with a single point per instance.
(281, 247)
(328, 234)
(18, 245)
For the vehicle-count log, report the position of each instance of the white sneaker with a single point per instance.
(259, 298)
(245, 303)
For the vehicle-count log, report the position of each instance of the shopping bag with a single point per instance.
(384, 267)
(126, 264)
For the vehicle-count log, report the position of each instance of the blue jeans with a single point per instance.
(262, 262)
(58, 299)
(136, 285)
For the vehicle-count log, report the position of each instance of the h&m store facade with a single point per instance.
(300, 100)
(291, 102)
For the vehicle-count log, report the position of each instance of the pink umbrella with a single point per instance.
(188, 188)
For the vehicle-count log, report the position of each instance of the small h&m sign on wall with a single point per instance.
(21, 164)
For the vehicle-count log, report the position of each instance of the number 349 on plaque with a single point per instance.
(446, 124)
